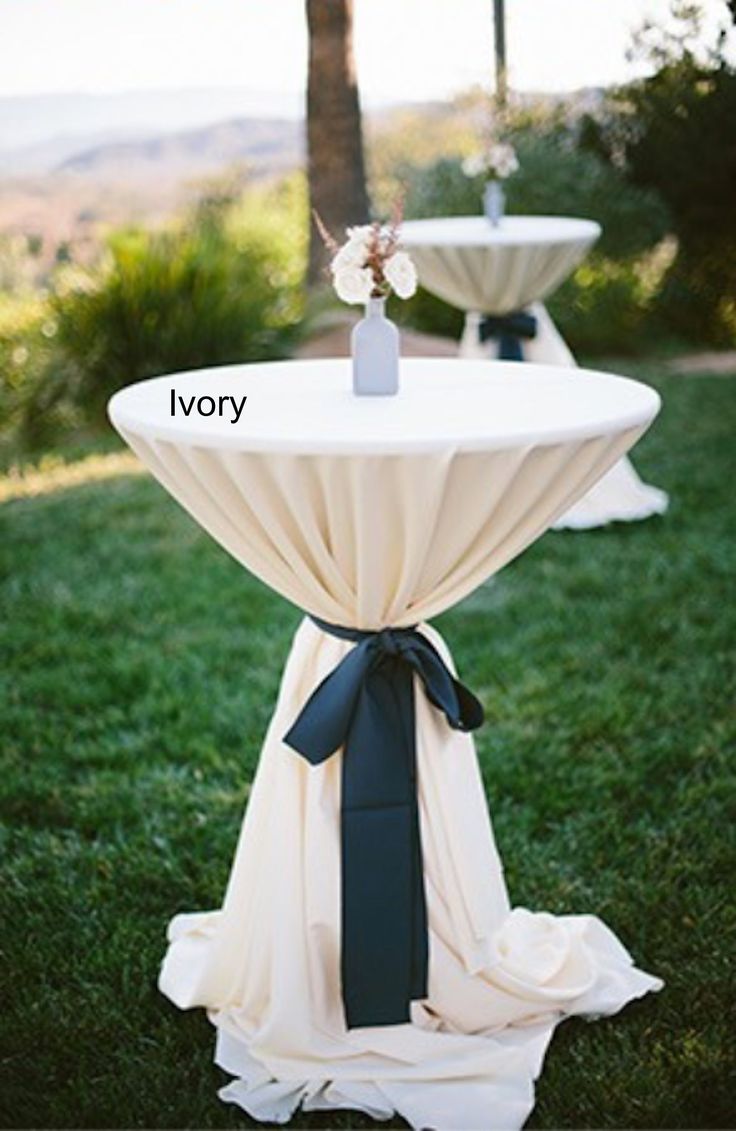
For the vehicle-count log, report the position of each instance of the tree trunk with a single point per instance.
(499, 42)
(335, 162)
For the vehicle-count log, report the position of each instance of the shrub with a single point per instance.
(223, 285)
(607, 305)
(208, 292)
(30, 412)
(673, 131)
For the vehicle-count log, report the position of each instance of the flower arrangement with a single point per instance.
(370, 264)
(496, 163)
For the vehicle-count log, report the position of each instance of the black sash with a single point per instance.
(509, 329)
(366, 705)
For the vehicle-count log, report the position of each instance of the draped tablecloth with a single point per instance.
(487, 270)
(375, 512)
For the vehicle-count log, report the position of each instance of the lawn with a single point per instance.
(140, 668)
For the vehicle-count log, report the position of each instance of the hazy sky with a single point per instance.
(405, 48)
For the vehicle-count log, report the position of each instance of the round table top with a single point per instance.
(512, 231)
(309, 407)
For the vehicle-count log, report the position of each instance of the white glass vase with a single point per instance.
(375, 349)
(494, 202)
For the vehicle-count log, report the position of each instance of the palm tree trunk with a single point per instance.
(335, 161)
(499, 40)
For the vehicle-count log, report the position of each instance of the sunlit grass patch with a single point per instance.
(55, 474)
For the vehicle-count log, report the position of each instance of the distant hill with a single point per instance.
(41, 157)
(74, 166)
(67, 188)
(30, 120)
(266, 145)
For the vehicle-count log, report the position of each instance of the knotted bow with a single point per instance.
(509, 329)
(366, 705)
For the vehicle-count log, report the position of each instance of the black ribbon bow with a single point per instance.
(509, 329)
(366, 705)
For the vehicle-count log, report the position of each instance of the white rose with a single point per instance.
(508, 165)
(401, 273)
(360, 234)
(349, 255)
(502, 159)
(353, 284)
(473, 166)
(353, 253)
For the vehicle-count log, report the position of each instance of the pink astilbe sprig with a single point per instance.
(384, 243)
(327, 238)
(376, 256)
(397, 219)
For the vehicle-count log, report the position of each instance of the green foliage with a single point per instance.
(199, 295)
(606, 303)
(29, 407)
(557, 179)
(222, 284)
(607, 306)
(599, 309)
(439, 189)
(413, 138)
(139, 667)
(674, 132)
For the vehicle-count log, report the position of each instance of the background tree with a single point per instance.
(335, 161)
(674, 132)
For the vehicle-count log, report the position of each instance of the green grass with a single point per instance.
(141, 665)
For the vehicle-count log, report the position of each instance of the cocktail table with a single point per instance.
(372, 515)
(506, 270)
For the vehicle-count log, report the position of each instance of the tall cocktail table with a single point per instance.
(366, 954)
(496, 274)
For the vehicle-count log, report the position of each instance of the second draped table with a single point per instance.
(486, 270)
(376, 513)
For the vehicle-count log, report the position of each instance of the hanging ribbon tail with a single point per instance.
(460, 707)
(366, 706)
(509, 330)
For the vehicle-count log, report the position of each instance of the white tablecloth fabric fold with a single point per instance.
(474, 266)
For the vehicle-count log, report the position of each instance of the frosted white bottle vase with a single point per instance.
(494, 202)
(375, 349)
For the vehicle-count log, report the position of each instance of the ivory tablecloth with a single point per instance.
(372, 513)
